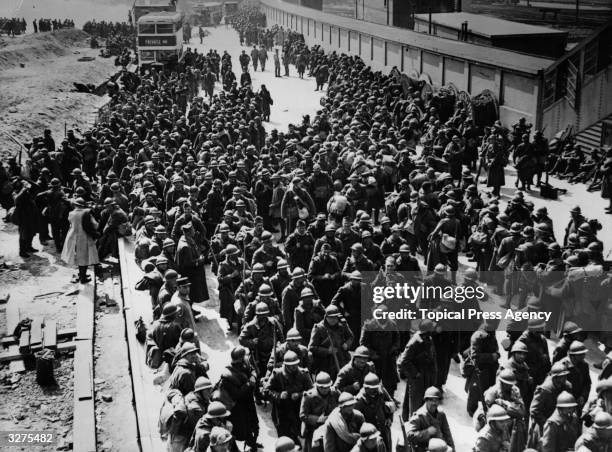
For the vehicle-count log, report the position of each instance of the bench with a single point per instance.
(553, 11)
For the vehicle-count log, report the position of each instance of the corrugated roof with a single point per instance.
(457, 49)
(488, 25)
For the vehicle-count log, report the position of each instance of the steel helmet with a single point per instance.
(603, 421)
(346, 399)
(238, 353)
(306, 292)
(332, 311)
(265, 291)
(202, 383)
(371, 380)
(231, 250)
(262, 309)
(298, 272)
(368, 431)
(291, 358)
(558, 369)
(519, 346)
(294, 335)
(507, 376)
(362, 352)
(497, 413)
(566, 400)
(284, 444)
(577, 348)
(432, 393)
(219, 435)
(323, 380)
(258, 268)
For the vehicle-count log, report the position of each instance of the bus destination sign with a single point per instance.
(156, 41)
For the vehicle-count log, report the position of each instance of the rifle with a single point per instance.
(274, 348)
(334, 355)
(407, 445)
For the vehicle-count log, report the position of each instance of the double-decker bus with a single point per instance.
(160, 38)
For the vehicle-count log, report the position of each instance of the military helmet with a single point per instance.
(371, 380)
(265, 291)
(262, 309)
(362, 352)
(219, 435)
(202, 383)
(258, 268)
(497, 413)
(368, 431)
(566, 400)
(432, 393)
(558, 369)
(238, 353)
(519, 346)
(346, 399)
(306, 292)
(284, 444)
(507, 376)
(577, 348)
(294, 335)
(323, 380)
(603, 421)
(291, 358)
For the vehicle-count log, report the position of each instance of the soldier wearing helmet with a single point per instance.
(229, 276)
(216, 417)
(324, 270)
(330, 342)
(351, 376)
(218, 244)
(571, 332)
(377, 406)
(292, 294)
(579, 376)
(285, 388)
(268, 254)
(545, 400)
(317, 404)
(249, 288)
(341, 429)
(293, 342)
(259, 335)
(597, 437)
(308, 313)
(428, 422)
(357, 261)
(299, 246)
(265, 294)
(495, 436)
(417, 364)
(563, 428)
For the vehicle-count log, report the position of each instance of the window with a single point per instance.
(146, 29)
(147, 55)
(165, 29)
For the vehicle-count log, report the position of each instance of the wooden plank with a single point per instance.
(36, 332)
(17, 366)
(67, 333)
(84, 426)
(24, 342)
(66, 346)
(13, 352)
(83, 371)
(50, 334)
(85, 312)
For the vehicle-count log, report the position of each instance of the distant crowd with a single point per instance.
(106, 29)
(51, 24)
(12, 26)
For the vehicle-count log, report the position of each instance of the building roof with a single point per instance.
(168, 16)
(152, 3)
(488, 25)
(493, 56)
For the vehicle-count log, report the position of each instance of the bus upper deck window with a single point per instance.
(146, 29)
(165, 28)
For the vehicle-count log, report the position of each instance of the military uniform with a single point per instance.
(320, 266)
(383, 342)
(348, 300)
(299, 249)
(229, 277)
(306, 318)
(350, 374)
(286, 412)
(259, 338)
(420, 421)
(484, 354)
(560, 433)
(376, 410)
(417, 364)
(322, 337)
(313, 406)
(268, 257)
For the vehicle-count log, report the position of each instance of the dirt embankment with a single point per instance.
(37, 73)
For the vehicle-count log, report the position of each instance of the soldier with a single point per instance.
(370, 439)
(291, 296)
(329, 237)
(285, 389)
(317, 227)
(229, 276)
(299, 246)
(293, 343)
(216, 416)
(382, 338)
(417, 364)
(218, 245)
(484, 355)
(54, 207)
(596, 438)
(544, 401)
(579, 376)
(570, 333)
(495, 436)
(308, 313)
(516, 364)
(268, 254)
(248, 289)
(377, 406)
(164, 334)
(505, 394)
(428, 422)
(341, 429)
(264, 295)
(165, 292)
(562, 429)
(181, 300)
(189, 366)
(236, 389)
(197, 403)
(324, 272)
(357, 261)
(601, 402)
(190, 263)
(538, 359)
(317, 404)
(258, 336)
(329, 343)
(349, 301)
(281, 279)
(350, 377)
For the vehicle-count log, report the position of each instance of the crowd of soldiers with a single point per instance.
(298, 225)
(108, 29)
(51, 24)
(12, 26)
(250, 24)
